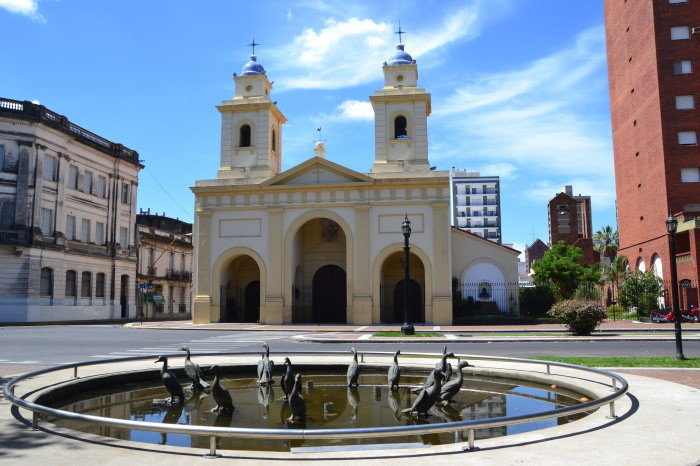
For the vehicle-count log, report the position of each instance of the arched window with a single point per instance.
(46, 284)
(71, 289)
(400, 127)
(86, 285)
(100, 285)
(244, 136)
(274, 141)
(641, 266)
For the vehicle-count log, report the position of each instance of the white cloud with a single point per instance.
(289, 15)
(350, 52)
(547, 121)
(356, 110)
(28, 8)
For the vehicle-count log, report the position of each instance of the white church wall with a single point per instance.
(239, 228)
(383, 218)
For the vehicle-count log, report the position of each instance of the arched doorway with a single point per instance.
(240, 291)
(318, 264)
(329, 300)
(392, 289)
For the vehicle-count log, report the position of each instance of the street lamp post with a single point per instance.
(671, 226)
(406, 328)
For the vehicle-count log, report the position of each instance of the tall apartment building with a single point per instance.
(653, 49)
(67, 216)
(165, 263)
(476, 204)
(571, 221)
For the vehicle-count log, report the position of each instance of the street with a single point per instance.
(22, 348)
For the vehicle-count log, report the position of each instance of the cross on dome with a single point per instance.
(253, 67)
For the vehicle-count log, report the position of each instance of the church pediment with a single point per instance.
(317, 170)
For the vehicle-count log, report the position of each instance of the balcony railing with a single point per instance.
(178, 275)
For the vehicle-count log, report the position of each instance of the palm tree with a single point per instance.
(606, 242)
(615, 272)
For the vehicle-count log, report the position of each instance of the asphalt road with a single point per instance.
(32, 346)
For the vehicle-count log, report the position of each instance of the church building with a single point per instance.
(321, 243)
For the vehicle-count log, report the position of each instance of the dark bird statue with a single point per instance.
(428, 397)
(451, 388)
(194, 373)
(297, 404)
(265, 367)
(224, 403)
(170, 381)
(442, 364)
(448, 372)
(394, 373)
(353, 369)
(287, 380)
(431, 378)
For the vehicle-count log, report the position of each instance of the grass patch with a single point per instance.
(625, 361)
(416, 335)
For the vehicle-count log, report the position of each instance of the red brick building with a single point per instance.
(533, 253)
(653, 68)
(570, 221)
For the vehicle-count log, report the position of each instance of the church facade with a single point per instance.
(321, 243)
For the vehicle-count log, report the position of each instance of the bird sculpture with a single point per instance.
(193, 372)
(451, 388)
(428, 396)
(287, 380)
(170, 382)
(442, 364)
(297, 404)
(224, 403)
(431, 378)
(265, 367)
(394, 373)
(448, 372)
(353, 370)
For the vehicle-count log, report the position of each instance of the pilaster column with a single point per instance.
(62, 166)
(277, 309)
(38, 176)
(202, 311)
(362, 302)
(22, 201)
(442, 265)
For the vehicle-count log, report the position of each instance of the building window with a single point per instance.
(49, 168)
(100, 285)
(46, 222)
(85, 236)
(125, 193)
(46, 283)
(102, 186)
(183, 305)
(70, 228)
(150, 257)
(690, 175)
(274, 141)
(182, 263)
(171, 299)
(86, 285)
(2, 158)
(99, 233)
(87, 183)
(71, 289)
(73, 177)
(685, 102)
(687, 138)
(680, 32)
(674, 2)
(123, 237)
(171, 261)
(682, 67)
(400, 127)
(244, 136)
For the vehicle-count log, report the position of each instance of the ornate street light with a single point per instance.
(672, 226)
(406, 328)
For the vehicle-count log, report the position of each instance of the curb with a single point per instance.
(305, 339)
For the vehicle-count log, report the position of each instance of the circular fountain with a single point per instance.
(125, 399)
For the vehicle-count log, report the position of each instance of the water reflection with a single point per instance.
(370, 405)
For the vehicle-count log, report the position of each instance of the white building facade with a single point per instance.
(476, 204)
(67, 217)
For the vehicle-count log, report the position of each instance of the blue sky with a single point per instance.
(519, 87)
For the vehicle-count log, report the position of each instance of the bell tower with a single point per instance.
(251, 127)
(401, 112)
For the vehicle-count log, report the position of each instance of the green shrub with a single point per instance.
(616, 311)
(580, 315)
(535, 301)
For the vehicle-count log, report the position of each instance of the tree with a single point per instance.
(606, 242)
(560, 270)
(641, 290)
(615, 272)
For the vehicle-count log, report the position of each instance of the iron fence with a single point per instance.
(487, 299)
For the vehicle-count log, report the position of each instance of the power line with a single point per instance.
(169, 195)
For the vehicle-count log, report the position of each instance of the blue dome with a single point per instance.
(401, 57)
(253, 67)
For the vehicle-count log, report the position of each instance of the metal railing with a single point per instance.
(619, 387)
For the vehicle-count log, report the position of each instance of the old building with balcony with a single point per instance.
(476, 204)
(67, 216)
(165, 266)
